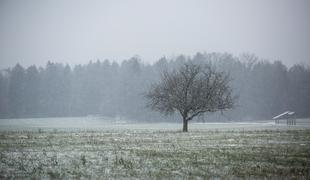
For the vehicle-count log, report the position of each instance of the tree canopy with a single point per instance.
(191, 90)
(113, 89)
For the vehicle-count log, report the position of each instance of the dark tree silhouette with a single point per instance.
(111, 89)
(191, 90)
(16, 93)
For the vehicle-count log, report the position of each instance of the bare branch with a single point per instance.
(192, 90)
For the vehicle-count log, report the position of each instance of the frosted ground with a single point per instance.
(94, 123)
(90, 148)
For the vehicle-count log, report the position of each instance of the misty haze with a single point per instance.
(155, 89)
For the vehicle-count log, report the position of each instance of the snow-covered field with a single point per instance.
(93, 123)
(89, 148)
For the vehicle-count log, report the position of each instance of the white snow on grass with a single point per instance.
(156, 154)
(88, 123)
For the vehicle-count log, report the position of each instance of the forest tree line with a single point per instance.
(112, 89)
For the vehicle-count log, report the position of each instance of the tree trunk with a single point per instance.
(185, 124)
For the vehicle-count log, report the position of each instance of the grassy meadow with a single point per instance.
(269, 151)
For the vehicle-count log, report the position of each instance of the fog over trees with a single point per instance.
(116, 90)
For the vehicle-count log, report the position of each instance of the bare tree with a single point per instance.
(191, 90)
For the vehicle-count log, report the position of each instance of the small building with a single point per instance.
(289, 116)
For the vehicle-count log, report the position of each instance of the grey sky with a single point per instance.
(76, 31)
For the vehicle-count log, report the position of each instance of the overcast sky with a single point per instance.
(76, 31)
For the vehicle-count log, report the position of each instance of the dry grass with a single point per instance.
(153, 154)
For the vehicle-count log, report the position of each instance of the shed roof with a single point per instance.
(284, 115)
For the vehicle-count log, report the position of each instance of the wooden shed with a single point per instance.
(289, 116)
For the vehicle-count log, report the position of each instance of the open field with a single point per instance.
(103, 124)
(152, 151)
